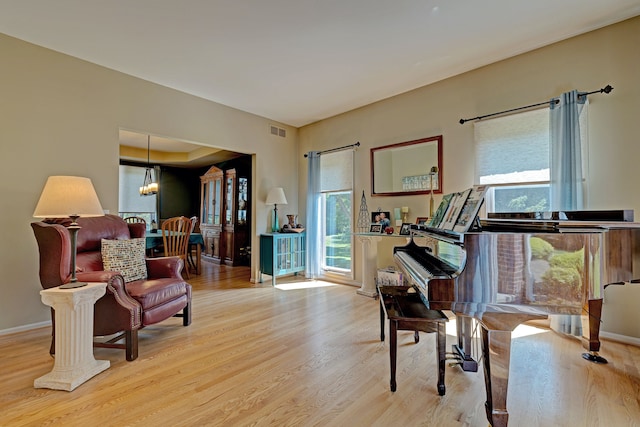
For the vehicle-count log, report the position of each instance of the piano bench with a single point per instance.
(407, 312)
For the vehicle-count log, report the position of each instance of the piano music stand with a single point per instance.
(407, 312)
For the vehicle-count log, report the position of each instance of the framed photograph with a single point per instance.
(375, 228)
(382, 217)
(405, 230)
(422, 220)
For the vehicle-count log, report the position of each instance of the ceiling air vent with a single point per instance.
(277, 131)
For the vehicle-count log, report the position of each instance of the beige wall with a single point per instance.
(61, 116)
(587, 62)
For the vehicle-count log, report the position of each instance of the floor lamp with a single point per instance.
(276, 197)
(69, 197)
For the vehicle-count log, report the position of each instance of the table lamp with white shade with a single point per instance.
(276, 197)
(69, 197)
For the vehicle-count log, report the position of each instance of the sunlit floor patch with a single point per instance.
(303, 284)
(520, 331)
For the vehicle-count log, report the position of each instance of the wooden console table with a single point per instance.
(74, 361)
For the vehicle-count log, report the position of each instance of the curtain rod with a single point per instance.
(357, 144)
(606, 89)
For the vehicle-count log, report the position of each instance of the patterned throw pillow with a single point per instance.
(126, 257)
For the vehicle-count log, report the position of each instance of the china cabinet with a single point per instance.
(211, 209)
(225, 195)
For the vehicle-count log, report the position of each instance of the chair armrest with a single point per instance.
(116, 310)
(115, 285)
(97, 276)
(164, 267)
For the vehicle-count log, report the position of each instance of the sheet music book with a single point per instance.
(470, 208)
(455, 206)
(442, 209)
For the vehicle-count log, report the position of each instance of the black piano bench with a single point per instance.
(407, 312)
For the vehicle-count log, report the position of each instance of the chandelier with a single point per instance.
(148, 186)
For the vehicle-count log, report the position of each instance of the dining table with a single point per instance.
(154, 240)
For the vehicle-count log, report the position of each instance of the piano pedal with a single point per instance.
(467, 363)
(594, 357)
(457, 361)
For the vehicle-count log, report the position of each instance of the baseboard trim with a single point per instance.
(24, 328)
(620, 338)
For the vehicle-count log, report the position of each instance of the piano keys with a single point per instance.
(511, 270)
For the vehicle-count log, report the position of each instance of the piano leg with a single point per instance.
(496, 349)
(591, 330)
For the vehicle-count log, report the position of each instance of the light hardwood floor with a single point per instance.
(263, 356)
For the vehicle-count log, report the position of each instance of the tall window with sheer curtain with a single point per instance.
(336, 187)
(130, 202)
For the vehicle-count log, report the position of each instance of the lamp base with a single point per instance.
(275, 228)
(73, 285)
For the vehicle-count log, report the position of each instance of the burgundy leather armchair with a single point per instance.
(126, 307)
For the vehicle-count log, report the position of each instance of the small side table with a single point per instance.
(74, 361)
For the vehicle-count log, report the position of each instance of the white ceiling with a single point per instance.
(299, 61)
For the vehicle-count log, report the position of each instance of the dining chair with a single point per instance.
(175, 238)
(135, 219)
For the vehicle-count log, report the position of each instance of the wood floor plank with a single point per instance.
(262, 356)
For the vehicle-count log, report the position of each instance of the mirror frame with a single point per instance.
(432, 139)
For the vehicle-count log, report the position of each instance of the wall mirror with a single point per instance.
(405, 168)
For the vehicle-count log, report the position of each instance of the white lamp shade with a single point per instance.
(276, 197)
(64, 196)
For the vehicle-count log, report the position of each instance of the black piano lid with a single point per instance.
(625, 215)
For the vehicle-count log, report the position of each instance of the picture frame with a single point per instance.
(405, 230)
(376, 228)
(421, 220)
(381, 217)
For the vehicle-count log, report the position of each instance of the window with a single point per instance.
(336, 171)
(130, 203)
(512, 155)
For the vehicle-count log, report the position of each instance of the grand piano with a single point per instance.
(512, 268)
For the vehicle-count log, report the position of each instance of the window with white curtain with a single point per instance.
(512, 155)
(130, 202)
(336, 176)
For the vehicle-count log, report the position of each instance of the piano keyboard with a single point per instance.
(415, 271)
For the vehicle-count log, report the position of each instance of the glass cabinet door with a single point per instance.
(230, 194)
(242, 200)
(216, 201)
(229, 210)
(211, 196)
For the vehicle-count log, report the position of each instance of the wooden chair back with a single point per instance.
(175, 238)
(134, 220)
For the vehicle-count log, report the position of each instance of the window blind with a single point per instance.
(513, 149)
(336, 171)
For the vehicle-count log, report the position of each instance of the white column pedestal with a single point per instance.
(369, 264)
(74, 361)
